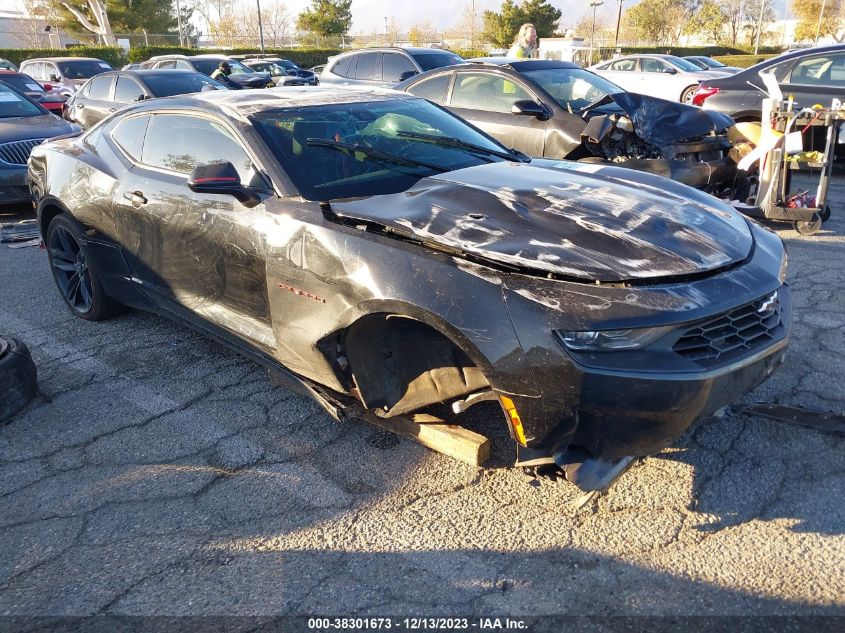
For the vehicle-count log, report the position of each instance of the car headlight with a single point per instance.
(610, 340)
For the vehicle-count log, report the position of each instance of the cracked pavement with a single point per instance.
(159, 473)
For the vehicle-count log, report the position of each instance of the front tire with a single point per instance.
(77, 282)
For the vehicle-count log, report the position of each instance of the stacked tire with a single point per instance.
(18, 378)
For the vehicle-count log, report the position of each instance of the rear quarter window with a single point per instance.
(129, 135)
(433, 89)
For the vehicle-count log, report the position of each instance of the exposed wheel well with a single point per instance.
(49, 212)
(399, 364)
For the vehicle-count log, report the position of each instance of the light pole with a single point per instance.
(759, 26)
(595, 4)
(179, 23)
(618, 23)
(260, 27)
(819, 25)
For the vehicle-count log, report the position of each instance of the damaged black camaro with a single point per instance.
(559, 110)
(376, 252)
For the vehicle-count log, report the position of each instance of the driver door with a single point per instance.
(199, 252)
(485, 99)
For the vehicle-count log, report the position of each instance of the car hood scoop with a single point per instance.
(571, 223)
(661, 122)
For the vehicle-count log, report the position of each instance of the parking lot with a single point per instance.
(158, 473)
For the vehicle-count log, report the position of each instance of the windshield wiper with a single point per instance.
(373, 153)
(594, 104)
(454, 142)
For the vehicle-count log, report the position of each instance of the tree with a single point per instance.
(420, 34)
(807, 12)
(659, 21)
(542, 15)
(752, 19)
(501, 28)
(708, 20)
(734, 11)
(326, 17)
(92, 16)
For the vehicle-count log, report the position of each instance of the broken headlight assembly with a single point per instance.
(611, 340)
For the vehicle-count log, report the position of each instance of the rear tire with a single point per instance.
(686, 95)
(77, 283)
(18, 377)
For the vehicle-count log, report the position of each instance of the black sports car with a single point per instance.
(560, 110)
(376, 252)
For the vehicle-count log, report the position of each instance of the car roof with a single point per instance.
(155, 72)
(521, 65)
(241, 103)
(65, 59)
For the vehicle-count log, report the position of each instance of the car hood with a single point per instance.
(43, 126)
(661, 122)
(571, 221)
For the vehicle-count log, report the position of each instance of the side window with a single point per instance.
(345, 65)
(623, 65)
(393, 65)
(99, 88)
(179, 143)
(181, 63)
(368, 66)
(826, 70)
(167, 63)
(433, 89)
(481, 91)
(126, 90)
(129, 135)
(653, 65)
(34, 70)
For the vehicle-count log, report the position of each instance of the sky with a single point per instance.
(368, 15)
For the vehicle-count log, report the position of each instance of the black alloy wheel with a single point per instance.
(75, 279)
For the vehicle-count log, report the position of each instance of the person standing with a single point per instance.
(526, 42)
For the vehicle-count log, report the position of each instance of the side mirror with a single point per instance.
(140, 97)
(220, 177)
(529, 108)
(54, 77)
(407, 75)
(669, 71)
(292, 73)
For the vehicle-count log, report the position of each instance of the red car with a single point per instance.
(21, 82)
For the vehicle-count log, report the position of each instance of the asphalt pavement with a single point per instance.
(159, 473)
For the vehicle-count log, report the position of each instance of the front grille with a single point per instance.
(733, 335)
(17, 152)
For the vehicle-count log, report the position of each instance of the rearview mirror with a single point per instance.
(220, 177)
(529, 108)
(407, 75)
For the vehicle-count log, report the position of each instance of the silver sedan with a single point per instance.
(664, 76)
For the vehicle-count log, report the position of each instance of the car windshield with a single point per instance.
(14, 104)
(24, 83)
(168, 84)
(397, 143)
(83, 69)
(429, 61)
(683, 64)
(287, 64)
(572, 88)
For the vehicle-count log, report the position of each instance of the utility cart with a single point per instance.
(781, 153)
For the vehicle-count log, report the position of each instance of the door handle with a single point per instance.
(135, 197)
